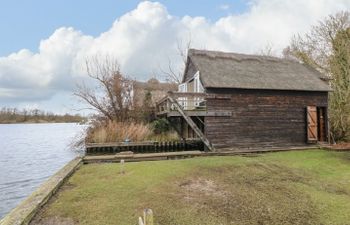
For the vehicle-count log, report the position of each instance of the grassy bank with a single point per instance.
(302, 187)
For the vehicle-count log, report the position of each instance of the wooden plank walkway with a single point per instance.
(131, 157)
(231, 151)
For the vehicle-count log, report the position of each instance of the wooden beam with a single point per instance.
(218, 96)
(187, 94)
(198, 94)
(198, 113)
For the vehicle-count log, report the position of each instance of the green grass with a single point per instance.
(299, 187)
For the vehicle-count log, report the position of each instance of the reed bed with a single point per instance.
(113, 131)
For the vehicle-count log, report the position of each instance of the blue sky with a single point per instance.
(24, 23)
(44, 43)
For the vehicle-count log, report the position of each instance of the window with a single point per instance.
(182, 87)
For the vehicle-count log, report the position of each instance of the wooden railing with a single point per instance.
(187, 100)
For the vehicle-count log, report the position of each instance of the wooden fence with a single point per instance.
(144, 147)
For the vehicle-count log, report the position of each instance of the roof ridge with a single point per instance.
(236, 56)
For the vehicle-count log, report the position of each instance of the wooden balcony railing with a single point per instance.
(189, 101)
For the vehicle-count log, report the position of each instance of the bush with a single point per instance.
(161, 126)
(168, 136)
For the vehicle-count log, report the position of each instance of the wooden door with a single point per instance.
(312, 124)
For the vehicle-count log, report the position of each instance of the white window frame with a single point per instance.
(198, 87)
(182, 87)
(183, 101)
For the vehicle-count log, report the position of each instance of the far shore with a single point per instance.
(40, 122)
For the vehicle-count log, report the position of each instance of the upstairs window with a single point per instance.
(182, 87)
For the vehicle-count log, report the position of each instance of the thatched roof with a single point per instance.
(231, 70)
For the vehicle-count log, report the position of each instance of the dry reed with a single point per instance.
(118, 131)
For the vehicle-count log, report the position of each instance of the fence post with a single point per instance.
(122, 171)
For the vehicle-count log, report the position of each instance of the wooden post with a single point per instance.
(140, 221)
(148, 217)
(122, 171)
(157, 147)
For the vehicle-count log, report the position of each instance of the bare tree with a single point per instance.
(267, 50)
(173, 75)
(316, 47)
(327, 48)
(113, 95)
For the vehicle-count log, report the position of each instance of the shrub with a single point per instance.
(168, 136)
(161, 126)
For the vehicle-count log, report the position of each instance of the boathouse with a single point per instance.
(233, 101)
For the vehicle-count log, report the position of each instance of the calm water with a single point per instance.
(29, 155)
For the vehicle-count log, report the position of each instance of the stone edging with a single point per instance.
(24, 213)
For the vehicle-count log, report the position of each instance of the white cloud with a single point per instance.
(144, 38)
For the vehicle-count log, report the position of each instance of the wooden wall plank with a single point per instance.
(260, 118)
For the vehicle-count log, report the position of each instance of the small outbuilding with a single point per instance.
(231, 100)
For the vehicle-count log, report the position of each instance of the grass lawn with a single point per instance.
(299, 187)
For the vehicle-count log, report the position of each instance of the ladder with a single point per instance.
(191, 123)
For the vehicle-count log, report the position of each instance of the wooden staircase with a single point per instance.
(191, 123)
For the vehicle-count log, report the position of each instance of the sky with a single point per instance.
(44, 44)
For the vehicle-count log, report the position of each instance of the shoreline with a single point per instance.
(30, 154)
(39, 122)
(23, 213)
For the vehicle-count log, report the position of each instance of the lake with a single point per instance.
(29, 155)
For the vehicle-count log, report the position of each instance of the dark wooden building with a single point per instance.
(231, 100)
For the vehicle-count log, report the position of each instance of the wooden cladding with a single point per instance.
(263, 118)
(312, 133)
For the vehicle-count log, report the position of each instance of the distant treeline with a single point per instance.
(14, 115)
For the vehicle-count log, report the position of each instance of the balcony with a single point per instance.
(193, 103)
